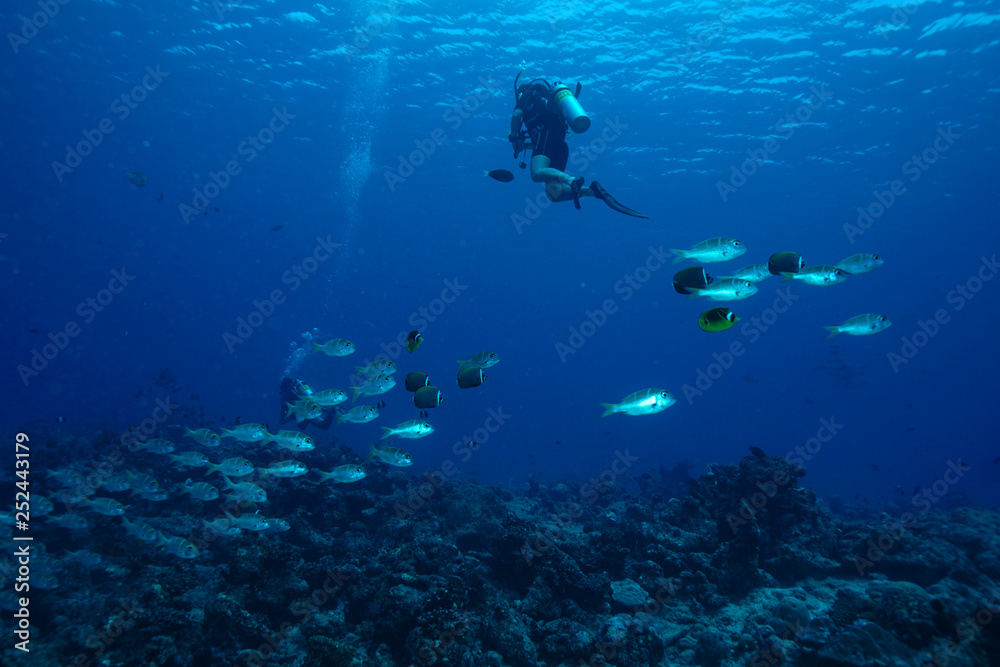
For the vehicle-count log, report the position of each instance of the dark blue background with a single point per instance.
(688, 119)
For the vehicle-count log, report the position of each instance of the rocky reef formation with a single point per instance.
(740, 566)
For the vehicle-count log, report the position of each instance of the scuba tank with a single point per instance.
(569, 106)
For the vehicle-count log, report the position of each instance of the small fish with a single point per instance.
(156, 446)
(424, 414)
(380, 405)
(719, 249)
(377, 367)
(190, 459)
(286, 469)
(483, 360)
(755, 273)
(232, 467)
(160, 198)
(139, 530)
(87, 559)
(154, 496)
(252, 522)
(329, 398)
(692, 276)
(276, 526)
(337, 347)
(344, 474)
(717, 319)
(861, 325)
(142, 483)
(376, 386)
(276, 228)
(303, 410)
(817, 275)
(362, 414)
(416, 380)
(136, 178)
(470, 376)
(247, 491)
(391, 455)
(221, 526)
(875, 467)
(42, 506)
(246, 433)
(200, 490)
(68, 521)
(757, 452)
(295, 441)
(727, 289)
(501, 175)
(413, 341)
(644, 402)
(204, 436)
(860, 263)
(427, 397)
(105, 506)
(785, 262)
(177, 546)
(410, 430)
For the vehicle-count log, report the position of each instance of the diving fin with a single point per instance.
(575, 188)
(613, 203)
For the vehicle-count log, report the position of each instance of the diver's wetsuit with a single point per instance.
(546, 126)
(289, 394)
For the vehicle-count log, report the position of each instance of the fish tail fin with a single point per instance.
(696, 294)
(188, 433)
(681, 255)
(388, 432)
(788, 276)
(609, 409)
(834, 330)
(372, 449)
(357, 392)
(316, 347)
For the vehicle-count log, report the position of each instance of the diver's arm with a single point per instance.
(515, 123)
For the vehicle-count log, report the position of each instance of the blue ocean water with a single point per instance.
(680, 97)
(318, 171)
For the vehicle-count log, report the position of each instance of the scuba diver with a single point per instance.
(292, 391)
(547, 111)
